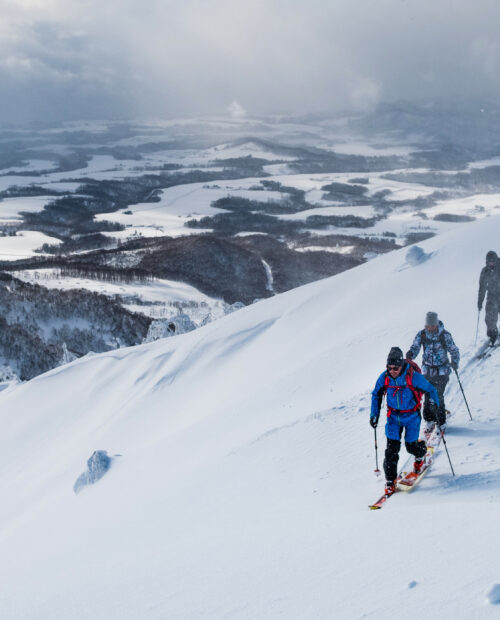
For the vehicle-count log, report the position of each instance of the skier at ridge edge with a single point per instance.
(489, 282)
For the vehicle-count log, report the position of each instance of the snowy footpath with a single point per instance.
(242, 465)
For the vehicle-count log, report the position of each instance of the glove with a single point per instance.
(409, 355)
(454, 365)
(433, 408)
(373, 421)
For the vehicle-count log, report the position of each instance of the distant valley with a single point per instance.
(178, 223)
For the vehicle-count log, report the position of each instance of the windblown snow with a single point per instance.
(246, 464)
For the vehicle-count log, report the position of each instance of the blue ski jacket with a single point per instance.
(399, 396)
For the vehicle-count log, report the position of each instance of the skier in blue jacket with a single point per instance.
(402, 385)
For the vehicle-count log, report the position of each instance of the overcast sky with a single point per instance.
(69, 59)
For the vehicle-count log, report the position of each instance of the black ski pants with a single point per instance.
(491, 317)
(439, 382)
(417, 448)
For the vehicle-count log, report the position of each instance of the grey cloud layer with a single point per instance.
(78, 59)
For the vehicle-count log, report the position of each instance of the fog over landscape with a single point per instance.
(76, 59)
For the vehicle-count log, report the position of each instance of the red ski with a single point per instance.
(380, 502)
(410, 479)
(406, 480)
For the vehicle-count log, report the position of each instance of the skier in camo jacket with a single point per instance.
(436, 367)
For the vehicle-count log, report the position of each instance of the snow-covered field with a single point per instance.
(157, 298)
(24, 244)
(180, 143)
(10, 208)
(33, 165)
(181, 203)
(362, 148)
(246, 465)
(155, 291)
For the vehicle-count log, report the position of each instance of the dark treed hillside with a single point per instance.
(37, 322)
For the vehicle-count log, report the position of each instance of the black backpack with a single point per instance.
(442, 339)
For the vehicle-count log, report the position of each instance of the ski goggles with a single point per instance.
(394, 367)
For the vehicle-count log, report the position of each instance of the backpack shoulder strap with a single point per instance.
(417, 394)
(442, 338)
(423, 338)
(409, 376)
(386, 381)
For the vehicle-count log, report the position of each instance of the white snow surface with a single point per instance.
(246, 464)
(158, 298)
(24, 244)
(181, 203)
(31, 165)
(249, 147)
(11, 207)
(158, 290)
(355, 147)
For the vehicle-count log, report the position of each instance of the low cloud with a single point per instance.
(236, 110)
(81, 58)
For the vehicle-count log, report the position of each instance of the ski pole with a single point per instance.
(477, 326)
(444, 440)
(377, 470)
(463, 394)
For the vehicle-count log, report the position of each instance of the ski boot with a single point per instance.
(390, 487)
(428, 428)
(418, 465)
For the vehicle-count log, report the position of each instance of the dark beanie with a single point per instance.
(395, 357)
(431, 318)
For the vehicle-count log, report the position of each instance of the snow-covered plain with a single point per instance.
(32, 165)
(24, 244)
(157, 290)
(181, 203)
(158, 298)
(246, 464)
(10, 208)
(194, 144)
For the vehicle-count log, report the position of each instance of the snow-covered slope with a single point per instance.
(246, 464)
